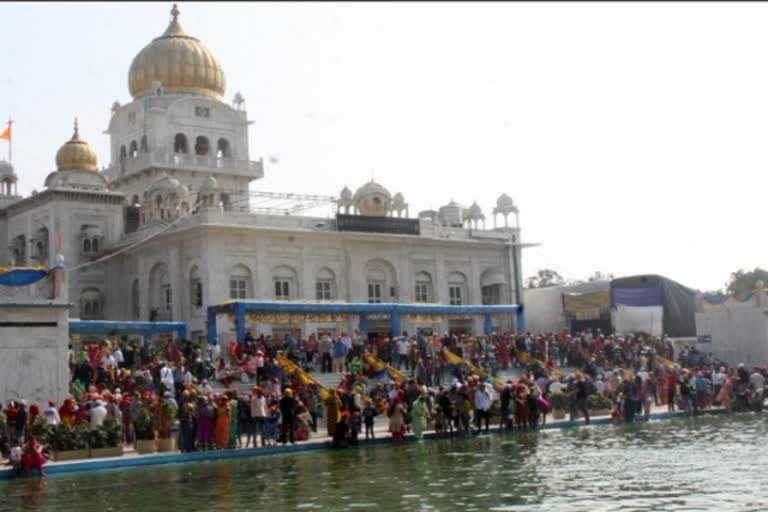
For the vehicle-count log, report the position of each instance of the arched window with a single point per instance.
(492, 282)
(457, 289)
(381, 280)
(123, 156)
(222, 149)
(135, 308)
(225, 202)
(160, 292)
(239, 282)
(325, 285)
(180, 144)
(423, 287)
(133, 150)
(195, 288)
(135, 201)
(144, 145)
(20, 250)
(95, 245)
(202, 146)
(286, 281)
(87, 245)
(160, 212)
(91, 303)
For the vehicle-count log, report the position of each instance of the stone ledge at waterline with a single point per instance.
(309, 446)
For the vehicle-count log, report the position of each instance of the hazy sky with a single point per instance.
(632, 136)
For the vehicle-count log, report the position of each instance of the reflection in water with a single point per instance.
(703, 464)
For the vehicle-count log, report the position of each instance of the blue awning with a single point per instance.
(360, 307)
(240, 308)
(106, 327)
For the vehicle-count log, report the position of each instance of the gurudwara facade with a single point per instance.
(169, 227)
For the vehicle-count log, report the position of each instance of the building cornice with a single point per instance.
(188, 232)
(46, 196)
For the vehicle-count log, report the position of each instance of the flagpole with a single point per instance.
(10, 142)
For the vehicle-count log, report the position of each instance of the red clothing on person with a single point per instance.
(33, 458)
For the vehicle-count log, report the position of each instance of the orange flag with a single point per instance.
(6, 135)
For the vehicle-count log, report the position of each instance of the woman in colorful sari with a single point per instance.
(724, 396)
(234, 439)
(221, 431)
(205, 414)
(332, 406)
(419, 416)
(396, 415)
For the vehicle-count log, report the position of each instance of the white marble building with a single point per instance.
(167, 228)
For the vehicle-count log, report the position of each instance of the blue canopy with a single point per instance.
(22, 276)
(241, 307)
(146, 329)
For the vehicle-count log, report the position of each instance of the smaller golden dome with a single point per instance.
(76, 154)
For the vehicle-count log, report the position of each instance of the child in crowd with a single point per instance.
(369, 413)
(271, 429)
(355, 422)
(15, 457)
(617, 408)
(440, 421)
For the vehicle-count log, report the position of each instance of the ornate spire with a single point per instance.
(174, 27)
(76, 133)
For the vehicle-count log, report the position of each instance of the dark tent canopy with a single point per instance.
(678, 302)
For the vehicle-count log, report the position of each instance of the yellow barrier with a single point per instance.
(454, 359)
(529, 359)
(290, 367)
(378, 365)
(665, 362)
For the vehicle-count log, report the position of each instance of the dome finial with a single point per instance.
(174, 27)
(76, 132)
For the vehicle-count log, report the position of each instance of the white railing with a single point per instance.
(183, 161)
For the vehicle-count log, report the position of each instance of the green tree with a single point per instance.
(746, 280)
(600, 276)
(545, 278)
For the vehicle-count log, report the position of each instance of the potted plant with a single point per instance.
(68, 443)
(598, 405)
(106, 440)
(146, 431)
(166, 441)
(40, 429)
(559, 403)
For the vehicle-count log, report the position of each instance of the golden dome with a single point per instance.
(181, 63)
(76, 154)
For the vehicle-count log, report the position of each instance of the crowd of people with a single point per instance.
(447, 383)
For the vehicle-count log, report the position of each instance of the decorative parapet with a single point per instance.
(165, 160)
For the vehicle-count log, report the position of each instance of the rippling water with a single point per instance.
(709, 463)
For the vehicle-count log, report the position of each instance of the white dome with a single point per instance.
(372, 199)
(6, 168)
(346, 194)
(504, 201)
(371, 188)
(399, 201)
(475, 212)
(167, 185)
(451, 214)
(209, 184)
